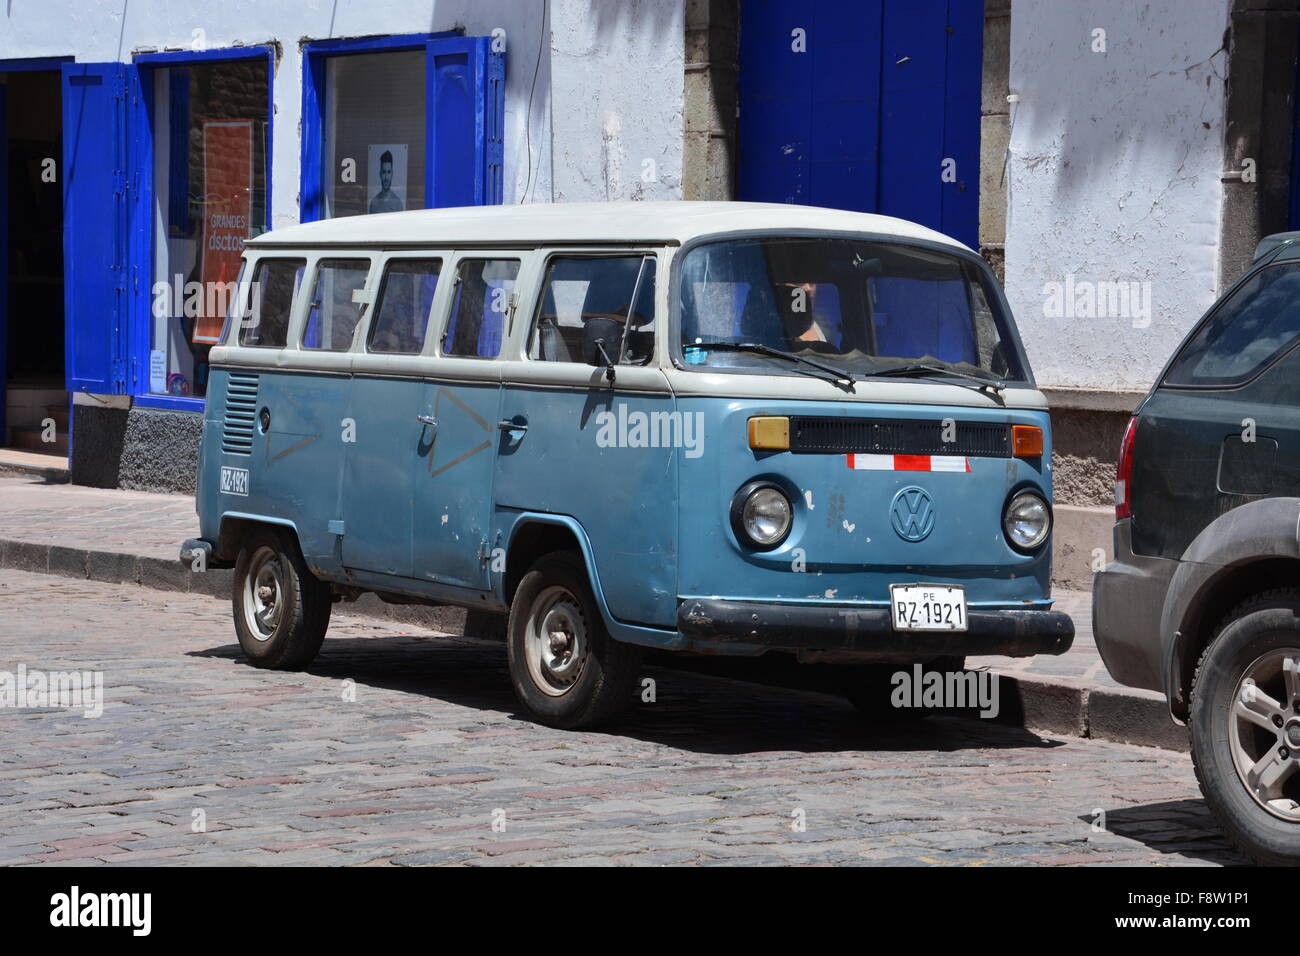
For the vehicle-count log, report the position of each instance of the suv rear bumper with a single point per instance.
(751, 627)
(1128, 598)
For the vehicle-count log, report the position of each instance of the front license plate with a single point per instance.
(927, 607)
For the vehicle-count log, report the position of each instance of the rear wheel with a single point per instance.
(1245, 726)
(281, 609)
(566, 669)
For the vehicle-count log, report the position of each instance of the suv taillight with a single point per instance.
(1124, 473)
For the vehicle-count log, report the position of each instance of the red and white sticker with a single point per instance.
(908, 463)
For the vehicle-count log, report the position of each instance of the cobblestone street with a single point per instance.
(432, 763)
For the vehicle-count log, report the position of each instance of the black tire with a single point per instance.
(1252, 632)
(289, 638)
(603, 681)
(870, 689)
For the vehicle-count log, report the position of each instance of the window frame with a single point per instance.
(144, 241)
(539, 296)
(297, 307)
(297, 342)
(448, 302)
(488, 67)
(381, 260)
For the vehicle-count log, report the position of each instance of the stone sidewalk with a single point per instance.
(134, 537)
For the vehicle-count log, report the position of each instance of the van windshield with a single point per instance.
(858, 306)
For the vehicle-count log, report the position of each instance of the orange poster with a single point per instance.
(227, 209)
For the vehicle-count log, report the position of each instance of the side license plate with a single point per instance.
(234, 481)
(927, 607)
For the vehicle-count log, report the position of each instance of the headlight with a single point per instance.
(1027, 521)
(761, 515)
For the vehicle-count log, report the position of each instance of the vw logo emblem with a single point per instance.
(912, 513)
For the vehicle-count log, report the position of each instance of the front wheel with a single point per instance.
(1245, 727)
(566, 669)
(282, 610)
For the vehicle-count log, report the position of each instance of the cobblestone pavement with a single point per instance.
(433, 751)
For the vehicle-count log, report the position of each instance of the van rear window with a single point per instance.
(275, 284)
(1249, 330)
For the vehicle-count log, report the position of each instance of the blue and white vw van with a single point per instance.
(719, 428)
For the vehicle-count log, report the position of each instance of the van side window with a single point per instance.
(581, 291)
(478, 315)
(402, 311)
(334, 316)
(275, 284)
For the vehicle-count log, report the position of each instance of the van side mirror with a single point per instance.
(602, 339)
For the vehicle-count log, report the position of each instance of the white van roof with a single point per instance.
(596, 222)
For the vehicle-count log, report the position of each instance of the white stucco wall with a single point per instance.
(613, 67)
(1113, 176)
(619, 72)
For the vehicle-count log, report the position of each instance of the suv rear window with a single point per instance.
(1249, 330)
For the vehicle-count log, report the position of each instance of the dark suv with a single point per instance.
(1202, 600)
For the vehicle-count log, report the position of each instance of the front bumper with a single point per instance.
(741, 627)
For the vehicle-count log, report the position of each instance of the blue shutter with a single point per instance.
(466, 105)
(95, 221)
(4, 263)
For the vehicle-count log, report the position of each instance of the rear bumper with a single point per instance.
(1128, 598)
(755, 626)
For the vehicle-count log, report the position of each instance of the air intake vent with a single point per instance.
(844, 436)
(241, 415)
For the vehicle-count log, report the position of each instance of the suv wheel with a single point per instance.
(1245, 726)
(566, 669)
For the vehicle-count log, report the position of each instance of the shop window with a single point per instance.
(375, 133)
(334, 313)
(209, 126)
(402, 312)
(275, 286)
(478, 314)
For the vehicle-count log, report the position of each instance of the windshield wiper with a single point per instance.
(921, 368)
(836, 375)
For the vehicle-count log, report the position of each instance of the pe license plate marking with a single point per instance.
(927, 607)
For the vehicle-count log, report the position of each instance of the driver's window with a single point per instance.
(584, 295)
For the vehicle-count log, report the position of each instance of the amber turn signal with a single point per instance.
(1026, 441)
(769, 433)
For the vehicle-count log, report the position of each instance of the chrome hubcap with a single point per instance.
(1264, 732)
(264, 593)
(555, 641)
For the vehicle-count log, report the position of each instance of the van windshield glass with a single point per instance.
(859, 306)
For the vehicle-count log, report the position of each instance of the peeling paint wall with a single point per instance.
(1113, 176)
(618, 83)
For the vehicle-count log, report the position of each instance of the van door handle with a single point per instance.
(506, 425)
(427, 420)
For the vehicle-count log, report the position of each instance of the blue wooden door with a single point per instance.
(869, 105)
(465, 95)
(95, 224)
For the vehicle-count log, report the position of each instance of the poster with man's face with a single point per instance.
(386, 177)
